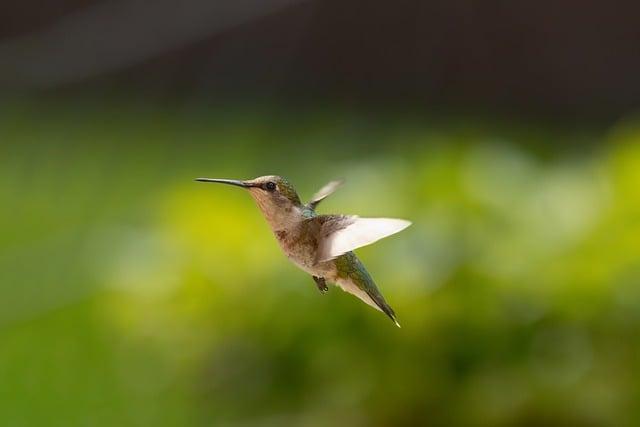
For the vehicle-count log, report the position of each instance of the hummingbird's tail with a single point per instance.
(355, 279)
(378, 299)
(370, 295)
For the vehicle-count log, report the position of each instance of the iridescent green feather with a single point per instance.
(350, 267)
(286, 189)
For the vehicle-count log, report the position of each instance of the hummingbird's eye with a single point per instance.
(271, 186)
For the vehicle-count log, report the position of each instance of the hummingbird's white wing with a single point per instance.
(341, 234)
(325, 191)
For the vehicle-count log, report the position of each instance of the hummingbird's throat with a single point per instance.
(279, 212)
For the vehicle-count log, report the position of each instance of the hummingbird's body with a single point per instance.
(321, 245)
(299, 241)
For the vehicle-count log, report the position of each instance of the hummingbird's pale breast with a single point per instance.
(300, 243)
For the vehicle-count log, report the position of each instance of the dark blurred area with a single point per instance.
(545, 58)
(506, 131)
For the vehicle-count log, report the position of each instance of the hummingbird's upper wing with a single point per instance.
(340, 234)
(325, 191)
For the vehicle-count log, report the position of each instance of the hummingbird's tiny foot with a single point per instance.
(321, 284)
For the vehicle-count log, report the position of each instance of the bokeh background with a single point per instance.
(506, 131)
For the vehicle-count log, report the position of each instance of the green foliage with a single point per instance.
(131, 295)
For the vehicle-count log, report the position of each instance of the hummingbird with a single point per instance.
(321, 245)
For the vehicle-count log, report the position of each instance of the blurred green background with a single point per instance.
(507, 132)
(132, 295)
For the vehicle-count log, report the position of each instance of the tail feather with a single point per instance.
(371, 296)
(354, 279)
(378, 299)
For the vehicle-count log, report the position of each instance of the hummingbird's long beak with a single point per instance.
(235, 182)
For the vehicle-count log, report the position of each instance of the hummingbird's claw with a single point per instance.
(321, 283)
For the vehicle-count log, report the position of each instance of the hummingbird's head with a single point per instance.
(272, 192)
(274, 195)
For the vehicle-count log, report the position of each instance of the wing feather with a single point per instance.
(325, 191)
(341, 234)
